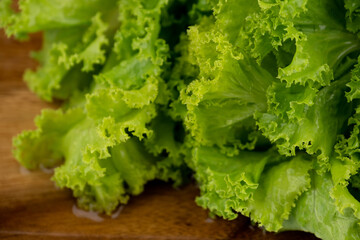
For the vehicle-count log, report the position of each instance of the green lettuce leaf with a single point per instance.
(354, 83)
(292, 126)
(262, 185)
(68, 59)
(223, 80)
(316, 30)
(100, 171)
(316, 212)
(104, 151)
(226, 183)
(278, 189)
(42, 15)
(352, 15)
(76, 41)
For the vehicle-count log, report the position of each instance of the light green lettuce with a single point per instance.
(259, 100)
(76, 39)
(286, 71)
(108, 149)
(316, 212)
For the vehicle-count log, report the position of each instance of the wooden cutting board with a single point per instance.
(32, 208)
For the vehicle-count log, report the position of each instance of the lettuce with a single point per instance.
(115, 92)
(271, 108)
(259, 100)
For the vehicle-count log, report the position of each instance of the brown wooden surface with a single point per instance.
(32, 208)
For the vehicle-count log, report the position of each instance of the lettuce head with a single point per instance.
(259, 100)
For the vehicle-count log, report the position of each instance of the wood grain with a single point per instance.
(32, 208)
